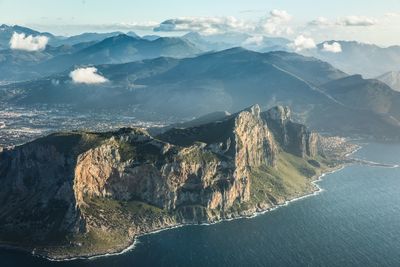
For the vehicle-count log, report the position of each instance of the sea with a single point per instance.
(353, 221)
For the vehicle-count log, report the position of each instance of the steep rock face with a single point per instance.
(91, 192)
(210, 174)
(293, 137)
(36, 180)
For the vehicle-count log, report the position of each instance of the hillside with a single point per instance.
(227, 80)
(81, 193)
(121, 49)
(368, 60)
(88, 49)
(392, 79)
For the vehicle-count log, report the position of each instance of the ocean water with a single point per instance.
(354, 221)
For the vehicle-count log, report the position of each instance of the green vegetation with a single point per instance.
(110, 226)
(290, 178)
(72, 142)
(126, 150)
(199, 156)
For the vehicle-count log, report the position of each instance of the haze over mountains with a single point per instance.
(391, 78)
(359, 58)
(193, 75)
(228, 80)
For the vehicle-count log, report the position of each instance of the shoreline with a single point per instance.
(317, 190)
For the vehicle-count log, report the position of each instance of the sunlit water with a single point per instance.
(355, 221)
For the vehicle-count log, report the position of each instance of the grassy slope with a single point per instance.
(110, 227)
(291, 178)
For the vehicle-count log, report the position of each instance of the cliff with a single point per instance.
(80, 194)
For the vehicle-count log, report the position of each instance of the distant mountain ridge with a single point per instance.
(228, 80)
(121, 48)
(359, 58)
(392, 79)
(6, 31)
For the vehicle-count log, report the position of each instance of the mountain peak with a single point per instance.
(254, 110)
(279, 113)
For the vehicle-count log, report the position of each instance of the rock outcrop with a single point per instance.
(92, 193)
(293, 137)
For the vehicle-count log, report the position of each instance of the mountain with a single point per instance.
(6, 32)
(121, 49)
(217, 42)
(391, 78)
(151, 37)
(84, 38)
(227, 80)
(23, 65)
(308, 69)
(365, 94)
(360, 58)
(17, 65)
(83, 193)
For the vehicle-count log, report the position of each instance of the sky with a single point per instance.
(370, 21)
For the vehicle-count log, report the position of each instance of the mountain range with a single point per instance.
(22, 65)
(326, 98)
(368, 60)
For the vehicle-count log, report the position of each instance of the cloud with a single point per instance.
(205, 25)
(302, 43)
(357, 21)
(147, 25)
(281, 15)
(252, 11)
(392, 14)
(347, 21)
(19, 41)
(320, 22)
(87, 75)
(255, 40)
(334, 47)
(274, 23)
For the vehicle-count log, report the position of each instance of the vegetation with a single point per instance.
(290, 178)
(110, 225)
(126, 150)
(199, 156)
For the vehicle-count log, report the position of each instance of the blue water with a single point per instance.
(355, 221)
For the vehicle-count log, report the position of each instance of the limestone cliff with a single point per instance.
(90, 193)
(293, 137)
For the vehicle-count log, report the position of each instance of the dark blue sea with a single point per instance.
(354, 221)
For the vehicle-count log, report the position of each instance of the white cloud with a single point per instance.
(302, 43)
(145, 26)
(19, 41)
(281, 15)
(334, 47)
(87, 75)
(392, 15)
(346, 21)
(205, 25)
(357, 21)
(255, 40)
(275, 24)
(320, 22)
